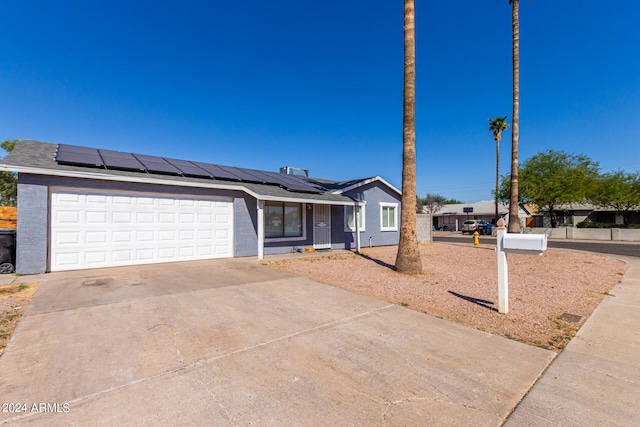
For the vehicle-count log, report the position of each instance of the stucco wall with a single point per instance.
(32, 232)
(373, 194)
(245, 226)
(624, 234)
(424, 226)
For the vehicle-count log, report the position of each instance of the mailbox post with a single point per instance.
(503, 272)
(527, 244)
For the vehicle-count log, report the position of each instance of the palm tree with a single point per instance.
(496, 126)
(408, 258)
(514, 220)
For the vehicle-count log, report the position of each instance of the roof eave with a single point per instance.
(365, 182)
(151, 180)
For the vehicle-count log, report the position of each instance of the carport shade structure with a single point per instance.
(270, 212)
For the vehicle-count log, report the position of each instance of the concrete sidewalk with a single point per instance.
(232, 342)
(595, 381)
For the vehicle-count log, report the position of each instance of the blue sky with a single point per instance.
(318, 84)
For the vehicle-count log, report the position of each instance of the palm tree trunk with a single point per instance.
(408, 258)
(497, 177)
(514, 220)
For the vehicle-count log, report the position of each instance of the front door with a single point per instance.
(322, 226)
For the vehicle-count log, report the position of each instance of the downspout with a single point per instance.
(260, 211)
(356, 210)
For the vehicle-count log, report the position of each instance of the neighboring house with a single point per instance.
(80, 207)
(451, 217)
(573, 214)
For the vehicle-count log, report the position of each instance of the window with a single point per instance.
(283, 220)
(349, 223)
(388, 216)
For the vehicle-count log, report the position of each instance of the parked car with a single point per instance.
(473, 225)
(486, 229)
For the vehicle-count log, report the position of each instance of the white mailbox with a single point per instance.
(528, 244)
(536, 243)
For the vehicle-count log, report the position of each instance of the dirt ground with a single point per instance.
(550, 296)
(13, 301)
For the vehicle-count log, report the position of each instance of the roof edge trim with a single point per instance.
(368, 181)
(145, 180)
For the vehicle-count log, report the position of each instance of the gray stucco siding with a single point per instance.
(374, 194)
(341, 239)
(32, 228)
(245, 226)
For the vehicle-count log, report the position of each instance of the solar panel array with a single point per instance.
(116, 160)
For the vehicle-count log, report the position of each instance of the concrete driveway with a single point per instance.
(232, 342)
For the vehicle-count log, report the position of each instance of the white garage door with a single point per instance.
(92, 229)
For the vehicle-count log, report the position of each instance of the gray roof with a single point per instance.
(36, 157)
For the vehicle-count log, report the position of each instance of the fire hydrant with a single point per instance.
(476, 238)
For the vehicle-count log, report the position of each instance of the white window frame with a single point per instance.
(350, 229)
(293, 239)
(394, 206)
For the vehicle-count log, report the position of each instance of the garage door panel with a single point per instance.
(167, 218)
(94, 258)
(95, 217)
(96, 237)
(144, 254)
(145, 217)
(69, 237)
(187, 218)
(101, 229)
(205, 250)
(222, 250)
(69, 259)
(165, 235)
(145, 236)
(205, 218)
(164, 253)
(122, 237)
(186, 251)
(68, 217)
(123, 217)
(205, 234)
(96, 199)
(187, 235)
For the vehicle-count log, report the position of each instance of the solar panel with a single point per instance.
(217, 172)
(301, 183)
(243, 174)
(189, 169)
(78, 155)
(298, 185)
(119, 160)
(303, 187)
(157, 164)
(257, 176)
(281, 179)
(86, 156)
(274, 178)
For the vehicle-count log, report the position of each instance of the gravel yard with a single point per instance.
(460, 284)
(13, 301)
